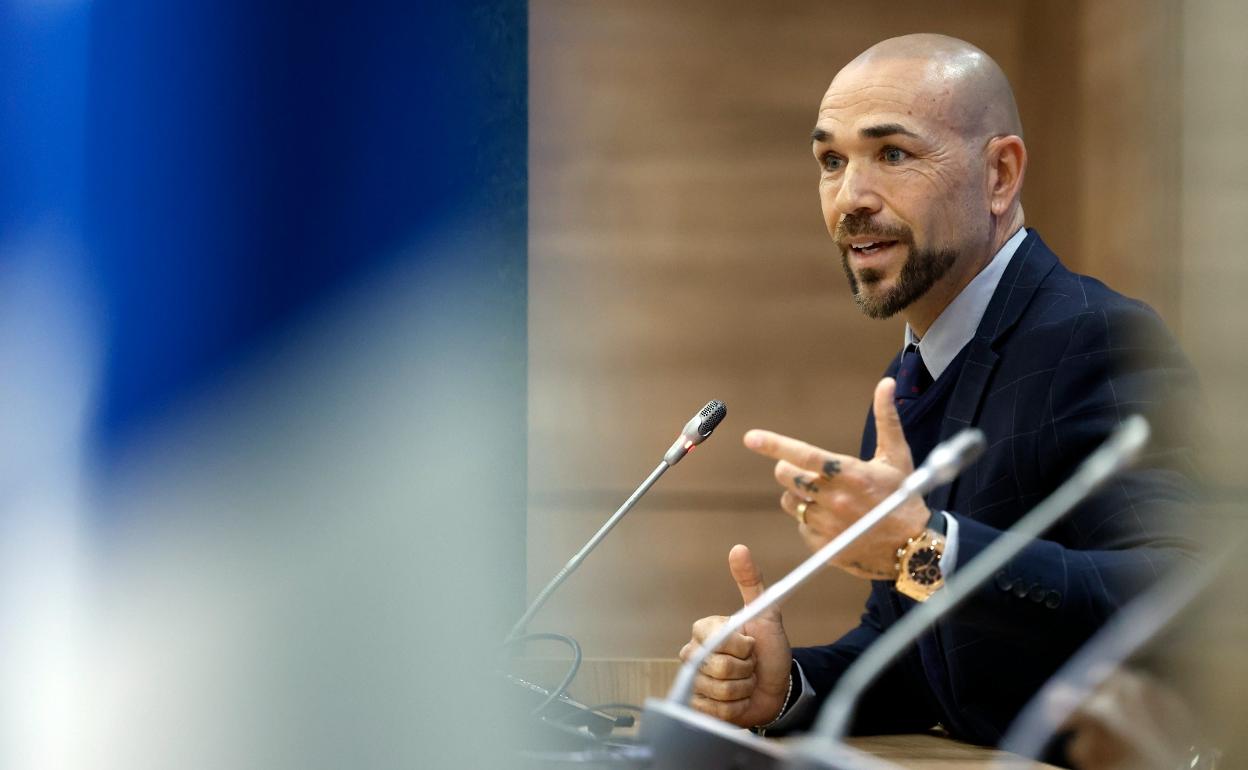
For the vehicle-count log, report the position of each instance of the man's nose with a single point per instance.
(857, 191)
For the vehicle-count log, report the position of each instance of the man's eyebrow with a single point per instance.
(870, 132)
(886, 129)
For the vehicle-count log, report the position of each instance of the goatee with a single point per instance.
(921, 270)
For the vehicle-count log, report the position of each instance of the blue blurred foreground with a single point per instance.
(262, 325)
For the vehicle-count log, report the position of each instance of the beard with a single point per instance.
(921, 270)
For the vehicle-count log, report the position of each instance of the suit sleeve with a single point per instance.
(894, 703)
(1117, 362)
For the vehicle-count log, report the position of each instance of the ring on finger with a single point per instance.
(801, 512)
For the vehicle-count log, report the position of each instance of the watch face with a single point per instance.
(924, 567)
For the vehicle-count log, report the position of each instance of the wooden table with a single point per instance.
(930, 752)
(632, 680)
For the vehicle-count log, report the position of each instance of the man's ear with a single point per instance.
(1007, 163)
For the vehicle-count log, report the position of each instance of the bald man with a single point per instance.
(921, 162)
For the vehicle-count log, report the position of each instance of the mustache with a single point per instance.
(856, 224)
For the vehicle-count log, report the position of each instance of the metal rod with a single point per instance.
(576, 560)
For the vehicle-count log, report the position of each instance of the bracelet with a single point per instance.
(784, 707)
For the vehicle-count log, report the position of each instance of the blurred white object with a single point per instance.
(49, 372)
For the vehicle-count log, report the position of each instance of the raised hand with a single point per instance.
(837, 489)
(746, 680)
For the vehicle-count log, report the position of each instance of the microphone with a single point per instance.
(942, 465)
(681, 737)
(695, 432)
(1114, 454)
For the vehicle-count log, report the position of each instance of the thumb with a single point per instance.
(746, 573)
(890, 439)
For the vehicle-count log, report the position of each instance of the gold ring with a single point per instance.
(801, 512)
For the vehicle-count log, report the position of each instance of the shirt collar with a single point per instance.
(956, 324)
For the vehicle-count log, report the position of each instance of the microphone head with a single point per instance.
(950, 458)
(711, 415)
(696, 430)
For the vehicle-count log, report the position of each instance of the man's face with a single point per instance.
(902, 194)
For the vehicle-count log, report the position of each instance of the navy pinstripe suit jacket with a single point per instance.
(1058, 360)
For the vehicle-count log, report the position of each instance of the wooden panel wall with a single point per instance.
(1214, 273)
(1128, 151)
(677, 254)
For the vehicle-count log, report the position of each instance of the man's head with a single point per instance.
(921, 165)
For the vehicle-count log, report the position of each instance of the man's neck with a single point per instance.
(924, 311)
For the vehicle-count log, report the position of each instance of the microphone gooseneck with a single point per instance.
(942, 465)
(695, 432)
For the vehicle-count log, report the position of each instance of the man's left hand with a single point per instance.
(838, 489)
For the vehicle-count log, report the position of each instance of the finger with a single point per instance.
(726, 711)
(799, 480)
(724, 689)
(747, 574)
(737, 645)
(813, 541)
(722, 666)
(688, 651)
(704, 627)
(809, 486)
(791, 503)
(829, 521)
(890, 439)
(801, 454)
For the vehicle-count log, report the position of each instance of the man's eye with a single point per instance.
(893, 155)
(832, 162)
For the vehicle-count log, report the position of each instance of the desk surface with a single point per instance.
(616, 680)
(930, 752)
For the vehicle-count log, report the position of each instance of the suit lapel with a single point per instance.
(1029, 266)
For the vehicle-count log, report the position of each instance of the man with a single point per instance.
(921, 162)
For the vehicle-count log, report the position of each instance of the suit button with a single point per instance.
(1003, 581)
(1037, 594)
(1053, 600)
(1020, 589)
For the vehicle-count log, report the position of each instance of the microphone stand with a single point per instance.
(695, 432)
(681, 737)
(580, 556)
(598, 724)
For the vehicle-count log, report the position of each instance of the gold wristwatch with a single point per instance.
(918, 565)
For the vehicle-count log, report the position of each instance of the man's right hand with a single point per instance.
(746, 680)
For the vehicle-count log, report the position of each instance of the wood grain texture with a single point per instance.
(1127, 148)
(930, 752)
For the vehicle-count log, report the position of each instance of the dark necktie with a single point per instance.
(913, 378)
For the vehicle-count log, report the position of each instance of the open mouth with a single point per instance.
(871, 247)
